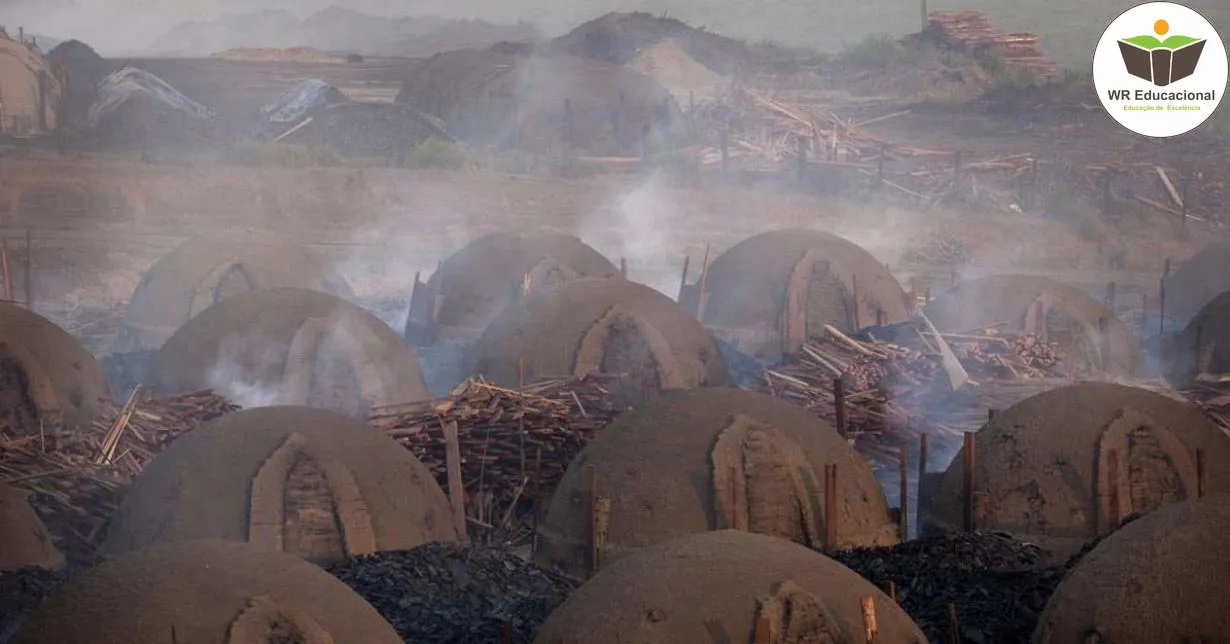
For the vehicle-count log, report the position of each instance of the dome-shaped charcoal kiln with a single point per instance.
(768, 293)
(1160, 578)
(205, 270)
(472, 286)
(707, 459)
(1196, 282)
(292, 347)
(717, 586)
(1058, 313)
(291, 479)
(1203, 347)
(24, 540)
(47, 379)
(1070, 464)
(205, 592)
(607, 325)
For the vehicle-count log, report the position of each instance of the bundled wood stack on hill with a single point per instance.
(76, 481)
(514, 444)
(971, 31)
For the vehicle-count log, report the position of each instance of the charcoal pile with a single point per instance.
(997, 585)
(442, 593)
(76, 481)
(515, 444)
(21, 591)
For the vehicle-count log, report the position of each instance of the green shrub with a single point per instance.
(437, 153)
(875, 51)
(257, 153)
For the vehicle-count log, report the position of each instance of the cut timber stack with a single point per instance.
(970, 30)
(76, 481)
(515, 444)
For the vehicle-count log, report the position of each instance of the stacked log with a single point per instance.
(970, 31)
(76, 481)
(514, 444)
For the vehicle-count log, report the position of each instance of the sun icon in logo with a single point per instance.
(1161, 27)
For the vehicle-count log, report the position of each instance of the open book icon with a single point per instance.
(1161, 62)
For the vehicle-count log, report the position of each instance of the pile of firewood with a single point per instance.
(76, 480)
(970, 30)
(997, 354)
(514, 444)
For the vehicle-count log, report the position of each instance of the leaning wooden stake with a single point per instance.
(871, 631)
(1199, 473)
(904, 471)
(892, 590)
(967, 487)
(954, 627)
(456, 493)
(830, 506)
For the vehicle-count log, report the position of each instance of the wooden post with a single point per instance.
(922, 458)
(871, 631)
(1199, 473)
(854, 295)
(456, 493)
(764, 632)
(830, 506)
(991, 414)
(506, 631)
(645, 142)
(892, 590)
(967, 486)
(724, 133)
(1112, 484)
(1110, 295)
(1183, 190)
(623, 267)
(923, 8)
(29, 273)
(1104, 343)
(1161, 307)
(903, 469)
(954, 627)
(927, 295)
(913, 294)
(839, 405)
(4, 267)
(592, 533)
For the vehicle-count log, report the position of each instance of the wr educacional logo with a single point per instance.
(1165, 81)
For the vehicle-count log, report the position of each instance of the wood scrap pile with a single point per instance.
(1211, 393)
(515, 444)
(77, 480)
(996, 354)
(970, 30)
(887, 390)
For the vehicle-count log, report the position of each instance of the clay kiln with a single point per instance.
(769, 293)
(24, 540)
(205, 592)
(1196, 282)
(292, 347)
(476, 283)
(1070, 464)
(1202, 349)
(48, 381)
(708, 459)
(1160, 578)
(716, 586)
(204, 271)
(285, 479)
(606, 325)
(1090, 338)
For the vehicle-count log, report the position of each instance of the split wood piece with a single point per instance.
(871, 630)
(456, 493)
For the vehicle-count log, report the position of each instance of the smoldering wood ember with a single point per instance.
(76, 480)
(515, 444)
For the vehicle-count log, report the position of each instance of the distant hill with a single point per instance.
(336, 30)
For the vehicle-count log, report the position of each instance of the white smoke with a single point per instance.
(639, 226)
(233, 376)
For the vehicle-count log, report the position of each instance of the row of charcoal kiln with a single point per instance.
(703, 509)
